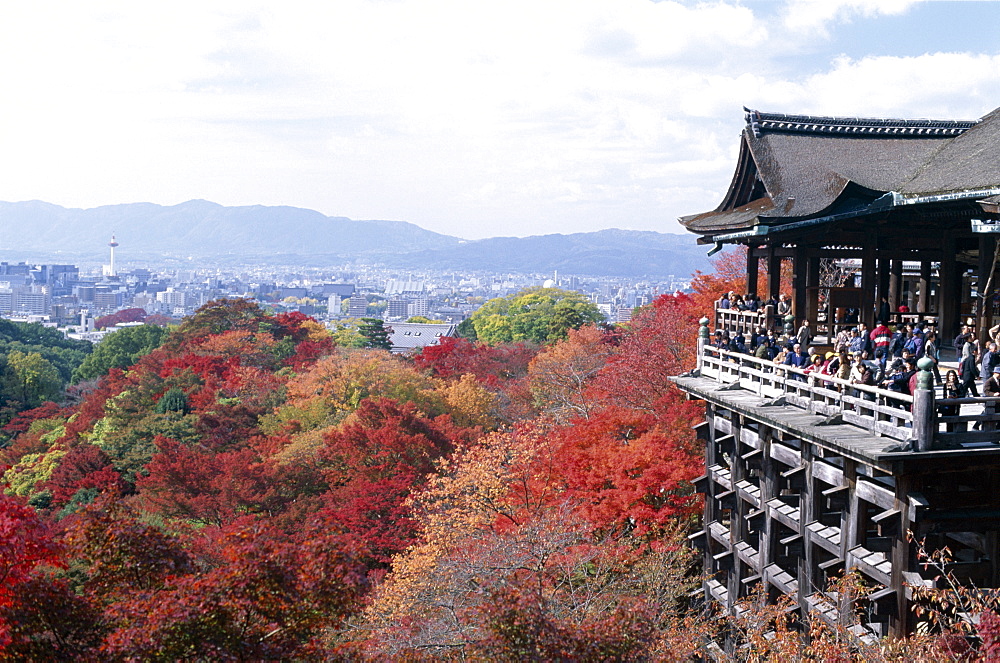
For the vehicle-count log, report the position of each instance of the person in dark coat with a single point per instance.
(968, 371)
(798, 358)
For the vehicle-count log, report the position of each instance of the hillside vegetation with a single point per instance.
(250, 491)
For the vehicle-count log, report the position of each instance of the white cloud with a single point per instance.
(813, 17)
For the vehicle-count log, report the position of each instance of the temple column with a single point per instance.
(883, 281)
(799, 272)
(753, 267)
(868, 283)
(949, 299)
(924, 292)
(773, 274)
(985, 284)
(895, 284)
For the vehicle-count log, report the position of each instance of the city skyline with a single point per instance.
(470, 119)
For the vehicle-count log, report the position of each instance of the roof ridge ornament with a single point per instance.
(760, 123)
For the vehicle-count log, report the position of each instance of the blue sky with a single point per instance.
(469, 118)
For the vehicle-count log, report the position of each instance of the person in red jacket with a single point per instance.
(881, 336)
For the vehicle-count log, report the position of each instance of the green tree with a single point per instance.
(31, 379)
(119, 349)
(541, 315)
(375, 333)
(173, 400)
(347, 334)
(466, 329)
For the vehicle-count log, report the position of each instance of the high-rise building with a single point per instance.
(397, 308)
(419, 306)
(358, 307)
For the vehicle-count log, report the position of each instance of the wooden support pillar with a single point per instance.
(868, 301)
(812, 280)
(737, 518)
(799, 271)
(806, 515)
(850, 523)
(773, 274)
(753, 268)
(895, 284)
(768, 491)
(902, 559)
(883, 281)
(984, 307)
(949, 292)
(924, 301)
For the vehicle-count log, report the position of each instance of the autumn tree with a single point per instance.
(729, 273)
(561, 374)
(119, 317)
(372, 463)
(495, 519)
(493, 365)
(265, 599)
(657, 344)
(25, 545)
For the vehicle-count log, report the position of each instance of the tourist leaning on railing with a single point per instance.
(953, 389)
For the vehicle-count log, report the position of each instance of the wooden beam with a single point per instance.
(875, 494)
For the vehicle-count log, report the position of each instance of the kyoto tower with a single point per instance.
(111, 269)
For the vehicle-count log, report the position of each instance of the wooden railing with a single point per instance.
(917, 419)
(733, 320)
(881, 412)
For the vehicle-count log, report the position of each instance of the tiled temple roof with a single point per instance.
(795, 167)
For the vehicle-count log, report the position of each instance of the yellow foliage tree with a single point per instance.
(469, 403)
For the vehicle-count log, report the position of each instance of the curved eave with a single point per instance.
(740, 218)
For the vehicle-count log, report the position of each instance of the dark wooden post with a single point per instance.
(773, 274)
(984, 305)
(902, 552)
(896, 284)
(753, 269)
(868, 300)
(807, 563)
(924, 303)
(799, 270)
(923, 407)
(883, 281)
(949, 290)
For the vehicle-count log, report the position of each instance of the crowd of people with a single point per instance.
(884, 357)
(881, 357)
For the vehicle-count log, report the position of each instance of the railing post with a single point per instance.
(923, 406)
(702, 340)
(790, 326)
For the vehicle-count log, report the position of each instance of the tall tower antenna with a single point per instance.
(112, 244)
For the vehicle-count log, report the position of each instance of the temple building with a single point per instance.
(807, 477)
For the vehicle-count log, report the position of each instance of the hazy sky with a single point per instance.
(466, 117)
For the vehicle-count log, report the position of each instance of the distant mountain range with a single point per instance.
(200, 230)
